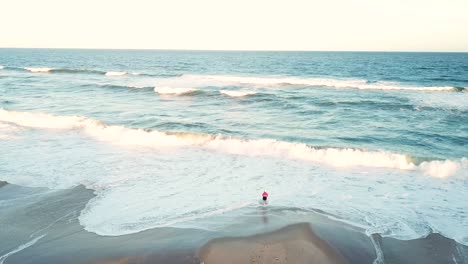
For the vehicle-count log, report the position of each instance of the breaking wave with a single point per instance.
(174, 91)
(76, 71)
(61, 70)
(114, 86)
(323, 82)
(38, 70)
(120, 73)
(237, 93)
(337, 157)
(270, 81)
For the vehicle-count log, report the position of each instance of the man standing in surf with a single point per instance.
(265, 197)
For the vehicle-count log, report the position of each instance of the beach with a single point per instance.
(49, 235)
(292, 244)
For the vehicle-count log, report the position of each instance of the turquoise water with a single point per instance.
(378, 140)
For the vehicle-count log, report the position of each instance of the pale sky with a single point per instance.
(384, 25)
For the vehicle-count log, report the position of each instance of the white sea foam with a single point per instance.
(38, 70)
(336, 157)
(41, 120)
(21, 247)
(6, 126)
(2, 67)
(445, 101)
(298, 81)
(108, 225)
(444, 168)
(142, 188)
(173, 91)
(118, 73)
(237, 93)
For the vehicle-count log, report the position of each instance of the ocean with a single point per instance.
(191, 139)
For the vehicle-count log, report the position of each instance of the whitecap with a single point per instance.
(173, 91)
(237, 93)
(117, 73)
(274, 81)
(38, 70)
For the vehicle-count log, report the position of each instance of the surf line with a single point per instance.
(21, 247)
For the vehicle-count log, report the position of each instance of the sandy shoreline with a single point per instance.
(292, 244)
(50, 220)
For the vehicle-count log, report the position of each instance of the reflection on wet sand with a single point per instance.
(292, 244)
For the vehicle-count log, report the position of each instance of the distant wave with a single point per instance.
(77, 71)
(323, 82)
(60, 70)
(122, 86)
(38, 70)
(337, 157)
(237, 93)
(2, 67)
(174, 91)
(122, 73)
(119, 73)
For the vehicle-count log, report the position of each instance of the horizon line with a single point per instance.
(235, 50)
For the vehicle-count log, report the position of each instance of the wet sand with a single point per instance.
(50, 220)
(292, 244)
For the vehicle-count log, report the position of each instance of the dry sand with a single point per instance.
(292, 244)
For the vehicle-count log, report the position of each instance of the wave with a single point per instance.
(337, 157)
(2, 67)
(76, 71)
(121, 73)
(38, 70)
(443, 168)
(237, 93)
(114, 86)
(174, 91)
(322, 82)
